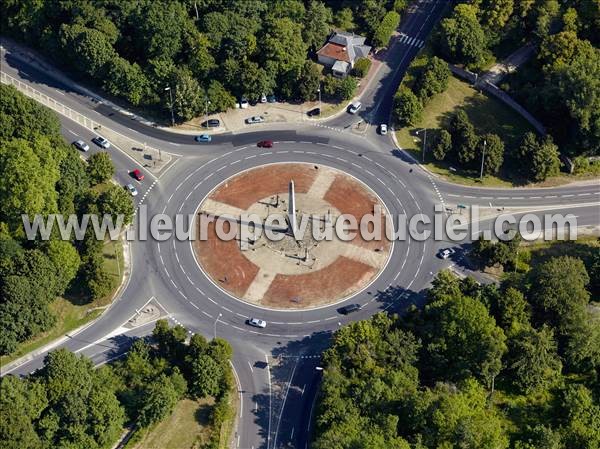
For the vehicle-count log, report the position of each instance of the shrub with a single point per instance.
(361, 67)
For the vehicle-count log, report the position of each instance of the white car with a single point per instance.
(244, 103)
(263, 98)
(257, 323)
(255, 119)
(81, 145)
(354, 107)
(446, 253)
(131, 188)
(101, 142)
(383, 129)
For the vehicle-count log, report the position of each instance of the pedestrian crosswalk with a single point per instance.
(412, 41)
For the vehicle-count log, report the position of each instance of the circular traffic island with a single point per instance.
(271, 236)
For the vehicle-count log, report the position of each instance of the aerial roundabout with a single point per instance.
(296, 283)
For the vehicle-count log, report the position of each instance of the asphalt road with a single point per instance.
(276, 368)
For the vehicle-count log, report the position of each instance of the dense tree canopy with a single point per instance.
(250, 47)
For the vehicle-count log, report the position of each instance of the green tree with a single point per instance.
(443, 145)
(512, 311)
(384, 30)
(408, 109)
(462, 38)
(463, 340)
(187, 98)
(464, 138)
(116, 201)
(310, 81)
(18, 194)
(159, 399)
(100, 167)
(205, 375)
(22, 402)
(434, 78)
(282, 46)
(126, 80)
(581, 416)
(560, 294)
(65, 259)
(317, 24)
(494, 153)
(496, 13)
(535, 362)
(344, 19)
(220, 99)
(90, 49)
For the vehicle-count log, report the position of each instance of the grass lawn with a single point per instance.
(187, 427)
(73, 312)
(487, 115)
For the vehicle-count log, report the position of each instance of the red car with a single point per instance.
(137, 174)
(265, 144)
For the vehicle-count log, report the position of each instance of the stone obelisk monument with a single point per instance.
(293, 224)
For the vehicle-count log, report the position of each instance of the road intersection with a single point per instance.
(275, 367)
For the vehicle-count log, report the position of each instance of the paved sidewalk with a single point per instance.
(498, 71)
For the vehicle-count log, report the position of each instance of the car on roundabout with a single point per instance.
(383, 129)
(203, 138)
(349, 309)
(265, 144)
(256, 322)
(446, 253)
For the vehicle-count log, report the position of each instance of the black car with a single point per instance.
(211, 123)
(313, 112)
(349, 309)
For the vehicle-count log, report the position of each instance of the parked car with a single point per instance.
(137, 174)
(211, 123)
(257, 323)
(263, 98)
(271, 99)
(265, 144)
(313, 112)
(203, 138)
(354, 107)
(349, 309)
(101, 142)
(255, 119)
(446, 253)
(244, 103)
(131, 188)
(383, 129)
(81, 145)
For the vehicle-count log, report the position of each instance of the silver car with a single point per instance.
(131, 189)
(255, 119)
(354, 107)
(101, 142)
(257, 323)
(81, 145)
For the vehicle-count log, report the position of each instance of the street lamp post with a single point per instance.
(206, 113)
(215, 333)
(482, 159)
(424, 142)
(319, 90)
(171, 103)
